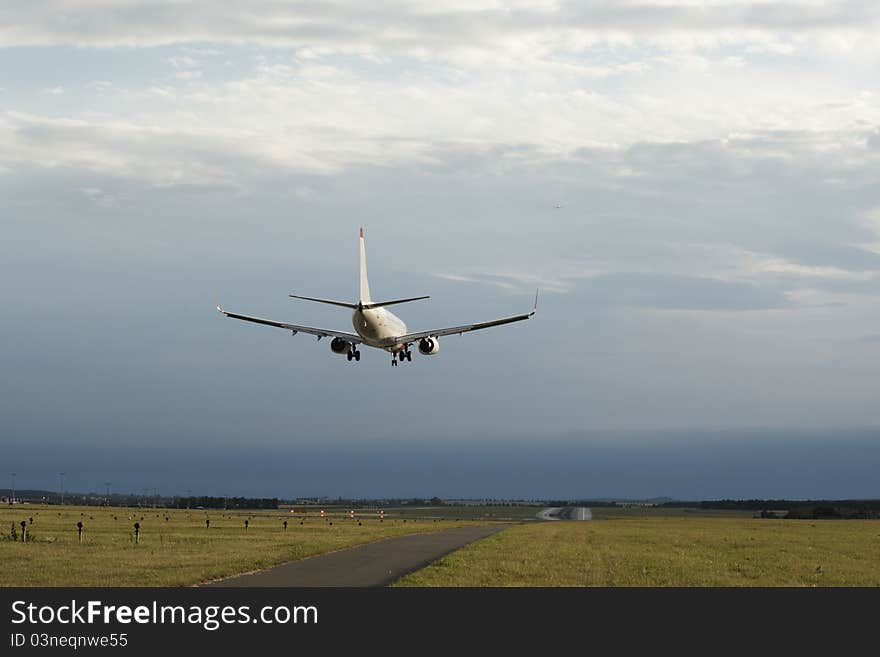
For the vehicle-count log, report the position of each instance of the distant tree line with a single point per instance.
(206, 502)
(590, 503)
(797, 509)
(351, 502)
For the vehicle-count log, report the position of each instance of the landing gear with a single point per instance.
(400, 356)
(353, 353)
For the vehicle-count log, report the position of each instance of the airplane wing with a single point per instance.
(453, 330)
(296, 328)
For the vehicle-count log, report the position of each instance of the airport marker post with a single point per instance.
(23, 531)
(79, 531)
(285, 525)
(137, 533)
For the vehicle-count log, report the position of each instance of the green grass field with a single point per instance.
(177, 552)
(666, 551)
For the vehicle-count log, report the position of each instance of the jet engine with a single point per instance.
(339, 346)
(429, 346)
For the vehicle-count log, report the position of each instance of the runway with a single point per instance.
(374, 564)
(566, 513)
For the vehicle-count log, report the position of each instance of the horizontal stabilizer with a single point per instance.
(379, 304)
(344, 304)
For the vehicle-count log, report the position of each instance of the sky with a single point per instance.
(708, 325)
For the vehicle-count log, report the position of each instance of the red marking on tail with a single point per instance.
(362, 232)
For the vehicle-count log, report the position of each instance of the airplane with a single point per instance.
(377, 327)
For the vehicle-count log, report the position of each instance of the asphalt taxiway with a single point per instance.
(566, 513)
(373, 564)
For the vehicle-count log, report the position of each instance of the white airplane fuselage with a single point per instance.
(376, 325)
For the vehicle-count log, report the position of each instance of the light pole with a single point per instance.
(61, 474)
(107, 499)
(12, 499)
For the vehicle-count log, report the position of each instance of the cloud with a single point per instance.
(402, 26)
(120, 148)
(302, 117)
(99, 85)
(661, 291)
(681, 140)
(99, 197)
(183, 62)
(780, 266)
(627, 85)
(188, 75)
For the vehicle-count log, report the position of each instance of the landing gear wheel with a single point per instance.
(349, 356)
(394, 363)
(409, 356)
(357, 355)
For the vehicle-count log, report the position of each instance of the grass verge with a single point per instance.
(175, 547)
(669, 551)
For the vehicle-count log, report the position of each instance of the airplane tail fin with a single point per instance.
(365, 284)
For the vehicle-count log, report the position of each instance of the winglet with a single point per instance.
(535, 307)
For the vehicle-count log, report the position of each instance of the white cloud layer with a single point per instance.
(665, 102)
(461, 26)
(403, 83)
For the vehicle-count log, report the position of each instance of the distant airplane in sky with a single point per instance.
(377, 327)
(558, 205)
